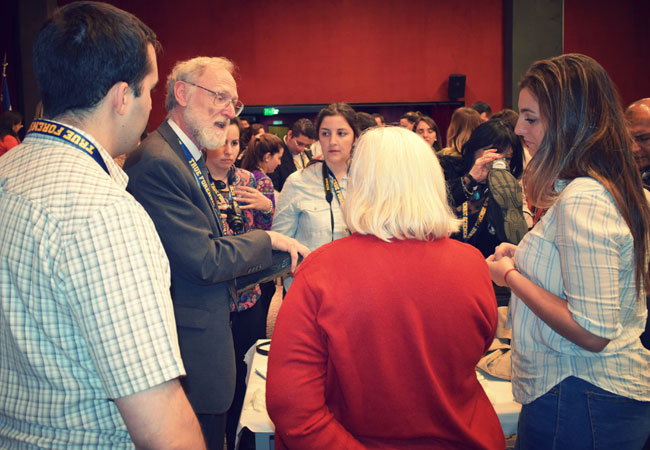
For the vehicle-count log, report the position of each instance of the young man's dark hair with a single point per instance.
(365, 121)
(482, 108)
(381, 120)
(304, 127)
(89, 56)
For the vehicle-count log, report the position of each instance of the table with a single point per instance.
(253, 414)
(256, 419)
(505, 406)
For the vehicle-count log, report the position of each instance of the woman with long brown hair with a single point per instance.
(578, 277)
(463, 122)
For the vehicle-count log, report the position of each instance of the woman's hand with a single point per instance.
(483, 164)
(499, 267)
(222, 209)
(505, 249)
(252, 198)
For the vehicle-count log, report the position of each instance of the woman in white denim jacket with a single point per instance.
(309, 208)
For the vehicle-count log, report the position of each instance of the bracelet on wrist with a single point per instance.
(471, 179)
(505, 275)
(268, 211)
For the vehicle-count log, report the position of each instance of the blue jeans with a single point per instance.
(575, 415)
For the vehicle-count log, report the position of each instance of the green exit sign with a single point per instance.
(271, 111)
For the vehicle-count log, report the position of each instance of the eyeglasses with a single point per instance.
(299, 144)
(222, 99)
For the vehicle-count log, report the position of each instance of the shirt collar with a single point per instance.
(194, 150)
(560, 184)
(115, 171)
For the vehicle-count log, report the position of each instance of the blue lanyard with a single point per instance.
(42, 126)
(198, 173)
(203, 184)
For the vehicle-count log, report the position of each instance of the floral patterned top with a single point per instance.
(253, 219)
(265, 186)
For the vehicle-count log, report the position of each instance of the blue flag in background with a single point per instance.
(4, 94)
(6, 101)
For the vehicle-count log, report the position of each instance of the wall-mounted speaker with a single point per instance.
(456, 86)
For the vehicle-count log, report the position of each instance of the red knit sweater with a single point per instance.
(376, 345)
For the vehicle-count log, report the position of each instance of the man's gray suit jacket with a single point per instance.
(203, 265)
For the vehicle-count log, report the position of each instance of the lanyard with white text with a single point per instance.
(198, 173)
(41, 126)
(481, 214)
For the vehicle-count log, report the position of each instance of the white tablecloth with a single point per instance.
(255, 418)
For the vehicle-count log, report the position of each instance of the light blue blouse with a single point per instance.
(303, 213)
(581, 250)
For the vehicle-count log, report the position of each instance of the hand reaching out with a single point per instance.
(252, 199)
(287, 244)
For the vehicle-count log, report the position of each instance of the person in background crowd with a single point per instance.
(483, 109)
(637, 117)
(365, 121)
(532, 214)
(637, 120)
(10, 124)
(379, 120)
(237, 188)
(508, 116)
(463, 122)
(296, 153)
(246, 135)
(257, 129)
(409, 119)
(310, 207)
(498, 184)
(257, 208)
(578, 277)
(90, 355)
(168, 176)
(427, 129)
(360, 361)
(263, 158)
(487, 198)
(244, 139)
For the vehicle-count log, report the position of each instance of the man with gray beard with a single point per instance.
(168, 176)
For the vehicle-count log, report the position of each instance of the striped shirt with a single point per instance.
(86, 315)
(581, 250)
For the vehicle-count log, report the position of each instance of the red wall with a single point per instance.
(342, 50)
(375, 50)
(617, 35)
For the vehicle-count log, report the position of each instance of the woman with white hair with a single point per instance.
(368, 334)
